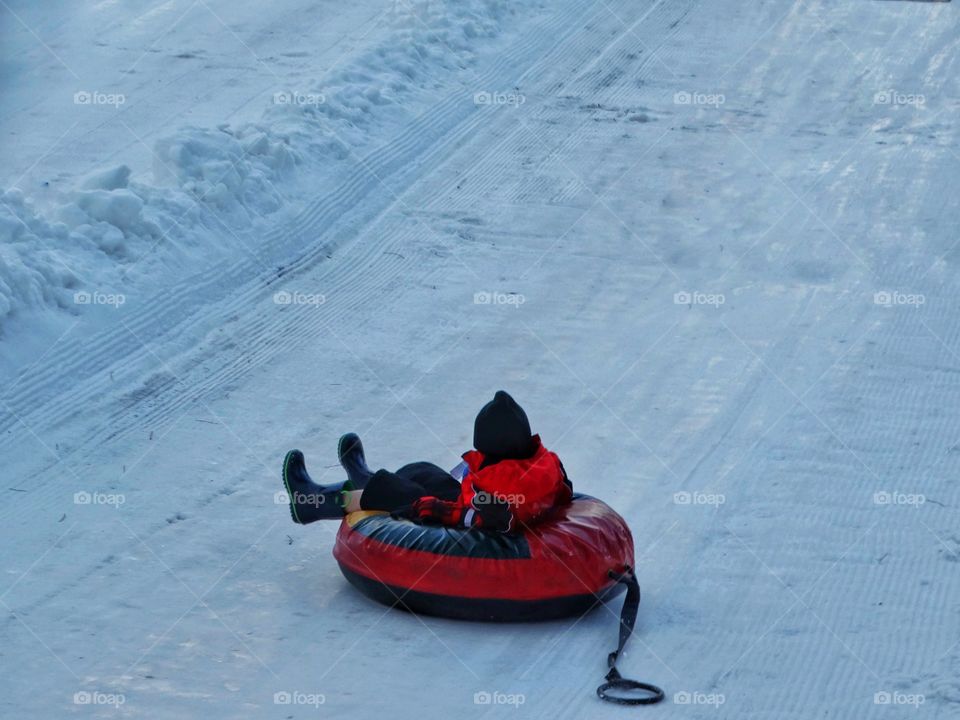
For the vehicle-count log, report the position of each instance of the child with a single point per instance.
(509, 481)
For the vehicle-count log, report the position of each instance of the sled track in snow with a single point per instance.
(312, 227)
(70, 381)
(636, 48)
(267, 335)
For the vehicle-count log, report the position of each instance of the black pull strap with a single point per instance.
(628, 618)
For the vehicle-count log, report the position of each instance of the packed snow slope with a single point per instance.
(710, 246)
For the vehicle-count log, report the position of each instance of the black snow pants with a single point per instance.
(393, 492)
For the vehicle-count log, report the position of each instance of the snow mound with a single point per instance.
(234, 172)
(32, 272)
(107, 179)
(209, 184)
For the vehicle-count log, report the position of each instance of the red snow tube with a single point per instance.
(561, 566)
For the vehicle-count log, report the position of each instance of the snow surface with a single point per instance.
(710, 246)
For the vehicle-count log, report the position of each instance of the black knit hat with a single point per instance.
(502, 430)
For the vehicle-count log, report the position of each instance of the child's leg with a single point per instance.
(390, 492)
(434, 480)
(309, 501)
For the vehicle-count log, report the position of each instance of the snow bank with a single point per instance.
(208, 184)
(32, 272)
(233, 173)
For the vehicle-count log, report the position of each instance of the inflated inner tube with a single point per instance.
(567, 564)
(556, 568)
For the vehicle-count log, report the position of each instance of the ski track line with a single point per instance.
(268, 333)
(488, 185)
(569, 55)
(313, 218)
(609, 80)
(159, 411)
(383, 163)
(838, 504)
(293, 268)
(266, 342)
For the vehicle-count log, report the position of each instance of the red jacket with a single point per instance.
(507, 495)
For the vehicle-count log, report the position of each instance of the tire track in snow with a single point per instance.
(47, 380)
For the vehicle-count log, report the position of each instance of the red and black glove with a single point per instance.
(486, 511)
(433, 511)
